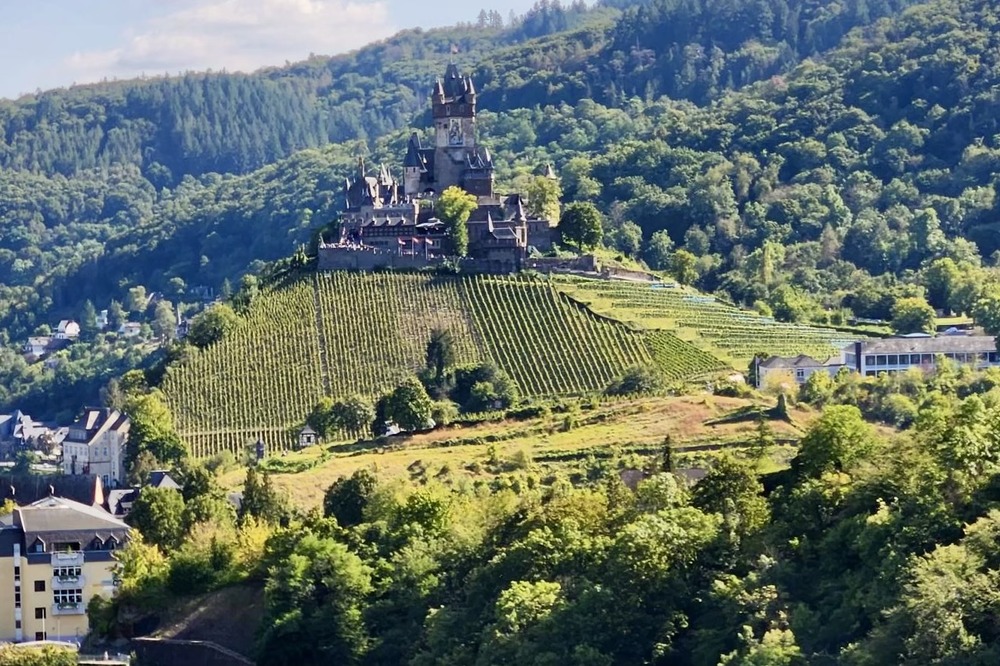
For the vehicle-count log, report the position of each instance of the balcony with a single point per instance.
(68, 582)
(73, 558)
(69, 608)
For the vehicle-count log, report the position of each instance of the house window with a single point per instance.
(800, 374)
(67, 597)
(17, 573)
(40, 613)
(927, 358)
(17, 599)
(893, 360)
(39, 635)
(39, 586)
(67, 572)
(880, 360)
(17, 624)
(914, 359)
(869, 360)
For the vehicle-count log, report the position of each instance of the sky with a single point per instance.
(52, 43)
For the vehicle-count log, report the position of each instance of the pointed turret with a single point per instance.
(413, 159)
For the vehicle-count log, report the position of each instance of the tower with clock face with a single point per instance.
(454, 110)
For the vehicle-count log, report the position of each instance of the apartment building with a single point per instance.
(55, 555)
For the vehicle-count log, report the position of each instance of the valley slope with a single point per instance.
(337, 334)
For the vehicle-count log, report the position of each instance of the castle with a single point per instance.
(388, 223)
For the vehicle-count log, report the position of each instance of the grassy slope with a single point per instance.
(724, 331)
(622, 428)
(336, 334)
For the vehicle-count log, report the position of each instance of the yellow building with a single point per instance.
(55, 554)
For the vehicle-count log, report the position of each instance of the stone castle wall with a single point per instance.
(335, 258)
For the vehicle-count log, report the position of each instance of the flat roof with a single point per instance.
(942, 344)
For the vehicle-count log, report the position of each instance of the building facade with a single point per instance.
(388, 216)
(55, 555)
(872, 357)
(95, 444)
(799, 368)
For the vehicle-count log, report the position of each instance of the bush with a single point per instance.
(637, 380)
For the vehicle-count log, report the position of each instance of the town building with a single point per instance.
(385, 217)
(799, 368)
(872, 357)
(67, 330)
(39, 346)
(20, 432)
(55, 555)
(95, 444)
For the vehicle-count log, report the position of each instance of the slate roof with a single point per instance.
(943, 344)
(118, 498)
(58, 514)
(800, 361)
(161, 479)
(28, 488)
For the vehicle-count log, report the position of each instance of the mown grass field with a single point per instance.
(626, 430)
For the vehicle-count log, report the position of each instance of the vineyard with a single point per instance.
(721, 329)
(335, 334)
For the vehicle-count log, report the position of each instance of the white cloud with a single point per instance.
(237, 35)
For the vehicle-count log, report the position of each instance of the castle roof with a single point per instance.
(413, 158)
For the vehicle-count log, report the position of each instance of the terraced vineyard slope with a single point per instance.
(723, 330)
(341, 333)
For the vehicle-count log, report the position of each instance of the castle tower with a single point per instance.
(454, 110)
(414, 166)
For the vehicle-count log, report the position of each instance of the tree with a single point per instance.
(543, 196)
(135, 301)
(260, 499)
(659, 250)
(835, 441)
(942, 278)
(353, 414)
(152, 430)
(211, 325)
(158, 514)
(636, 381)
(454, 207)
(483, 387)
(440, 354)
(987, 312)
(731, 488)
(628, 239)
(116, 316)
(912, 314)
(163, 324)
(409, 406)
(346, 499)
(88, 321)
(684, 267)
(581, 224)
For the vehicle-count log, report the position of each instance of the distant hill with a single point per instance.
(336, 334)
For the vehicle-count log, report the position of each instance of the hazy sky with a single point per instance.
(51, 43)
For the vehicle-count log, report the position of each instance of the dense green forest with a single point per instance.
(836, 159)
(873, 547)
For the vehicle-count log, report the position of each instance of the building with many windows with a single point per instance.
(95, 444)
(55, 555)
(872, 357)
